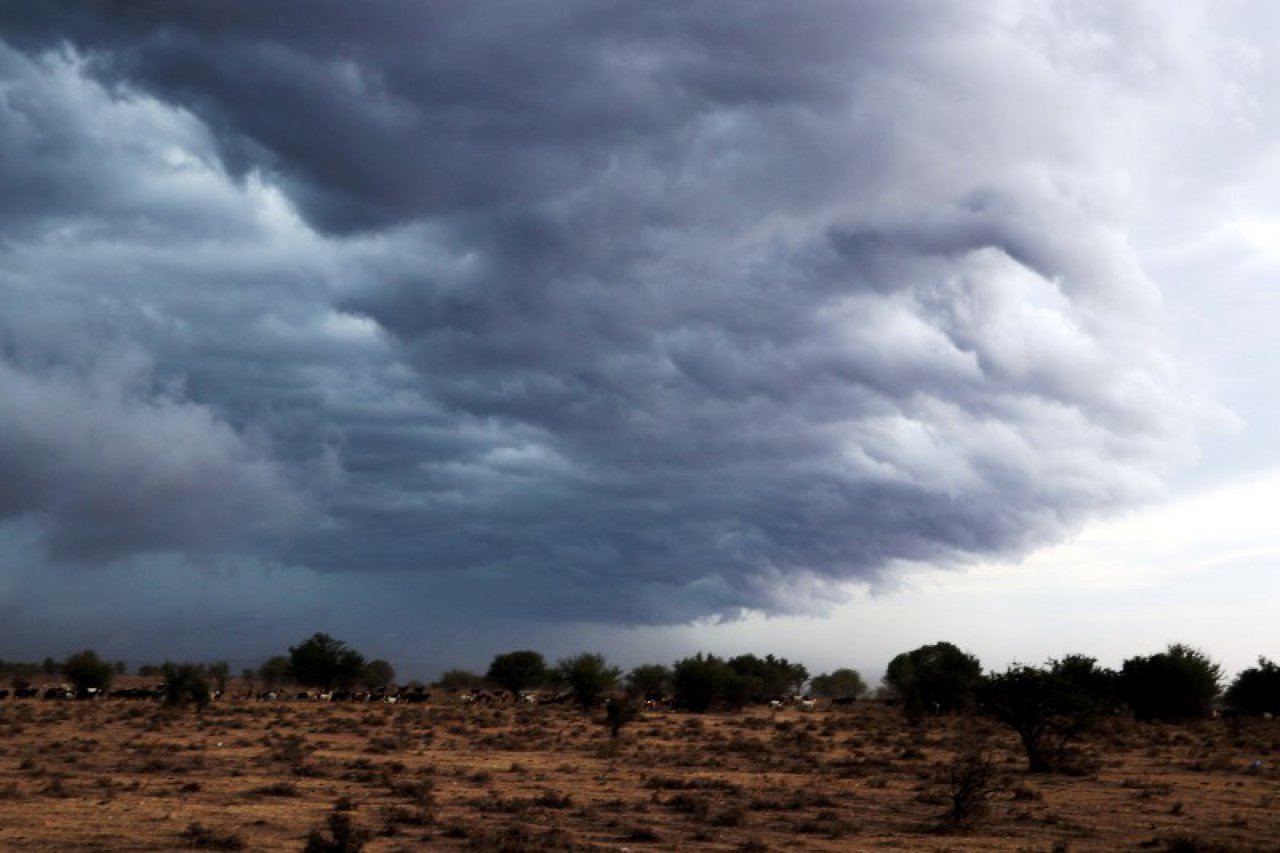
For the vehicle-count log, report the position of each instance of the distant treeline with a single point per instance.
(1178, 683)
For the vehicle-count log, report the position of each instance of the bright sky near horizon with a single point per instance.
(828, 330)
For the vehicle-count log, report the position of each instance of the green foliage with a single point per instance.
(650, 679)
(460, 679)
(274, 673)
(588, 676)
(1179, 683)
(762, 679)
(377, 673)
(325, 663)
(86, 671)
(185, 684)
(704, 680)
(18, 674)
(840, 684)
(701, 680)
(1257, 689)
(1048, 707)
(934, 679)
(219, 673)
(618, 711)
(516, 671)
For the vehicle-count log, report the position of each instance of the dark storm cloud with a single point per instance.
(634, 311)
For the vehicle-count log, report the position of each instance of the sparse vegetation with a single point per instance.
(495, 772)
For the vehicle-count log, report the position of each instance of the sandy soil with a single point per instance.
(116, 775)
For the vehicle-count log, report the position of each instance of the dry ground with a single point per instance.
(118, 775)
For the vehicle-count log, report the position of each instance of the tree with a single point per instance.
(219, 673)
(934, 679)
(650, 679)
(249, 676)
(460, 679)
(516, 671)
(588, 676)
(700, 681)
(324, 663)
(185, 684)
(1048, 707)
(1179, 683)
(274, 673)
(839, 684)
(86, 671)
(1256, 690)
(762, 679)
(377, 673)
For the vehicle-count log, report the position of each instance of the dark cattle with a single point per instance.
(415, 696)
(842, 700)
(57, 693)
(26, 693)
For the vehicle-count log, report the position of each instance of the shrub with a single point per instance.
(325, 663)
(184, 684)
(1177, 684)
(202, 837)
(517, 670)
(86, 671)
(588, 677)
(344, 837)
(1048, 707)
(934, 679)
(1256, 690)
(840, 684)
(971, 781)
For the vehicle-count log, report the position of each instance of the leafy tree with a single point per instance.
(934, 679)
(588, 676)
(21, 674)
(762, 679)
(1048, 707)
(185, 684)
(1256, 690)
(460, 679)
(274, 673)
(516, 671)
(324, 663)
(219, 673)
(701, 680)
(377, 673)
(650, 679)
(249, 676)
(1179, 683)
(86, 671)
(840, 684)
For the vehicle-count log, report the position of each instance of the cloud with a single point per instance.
(108, 468)
(639, 313)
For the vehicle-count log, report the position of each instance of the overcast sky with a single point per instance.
(821, 329)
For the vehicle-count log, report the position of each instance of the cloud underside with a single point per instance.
(642, 313)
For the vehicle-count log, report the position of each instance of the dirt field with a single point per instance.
(118, 775)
